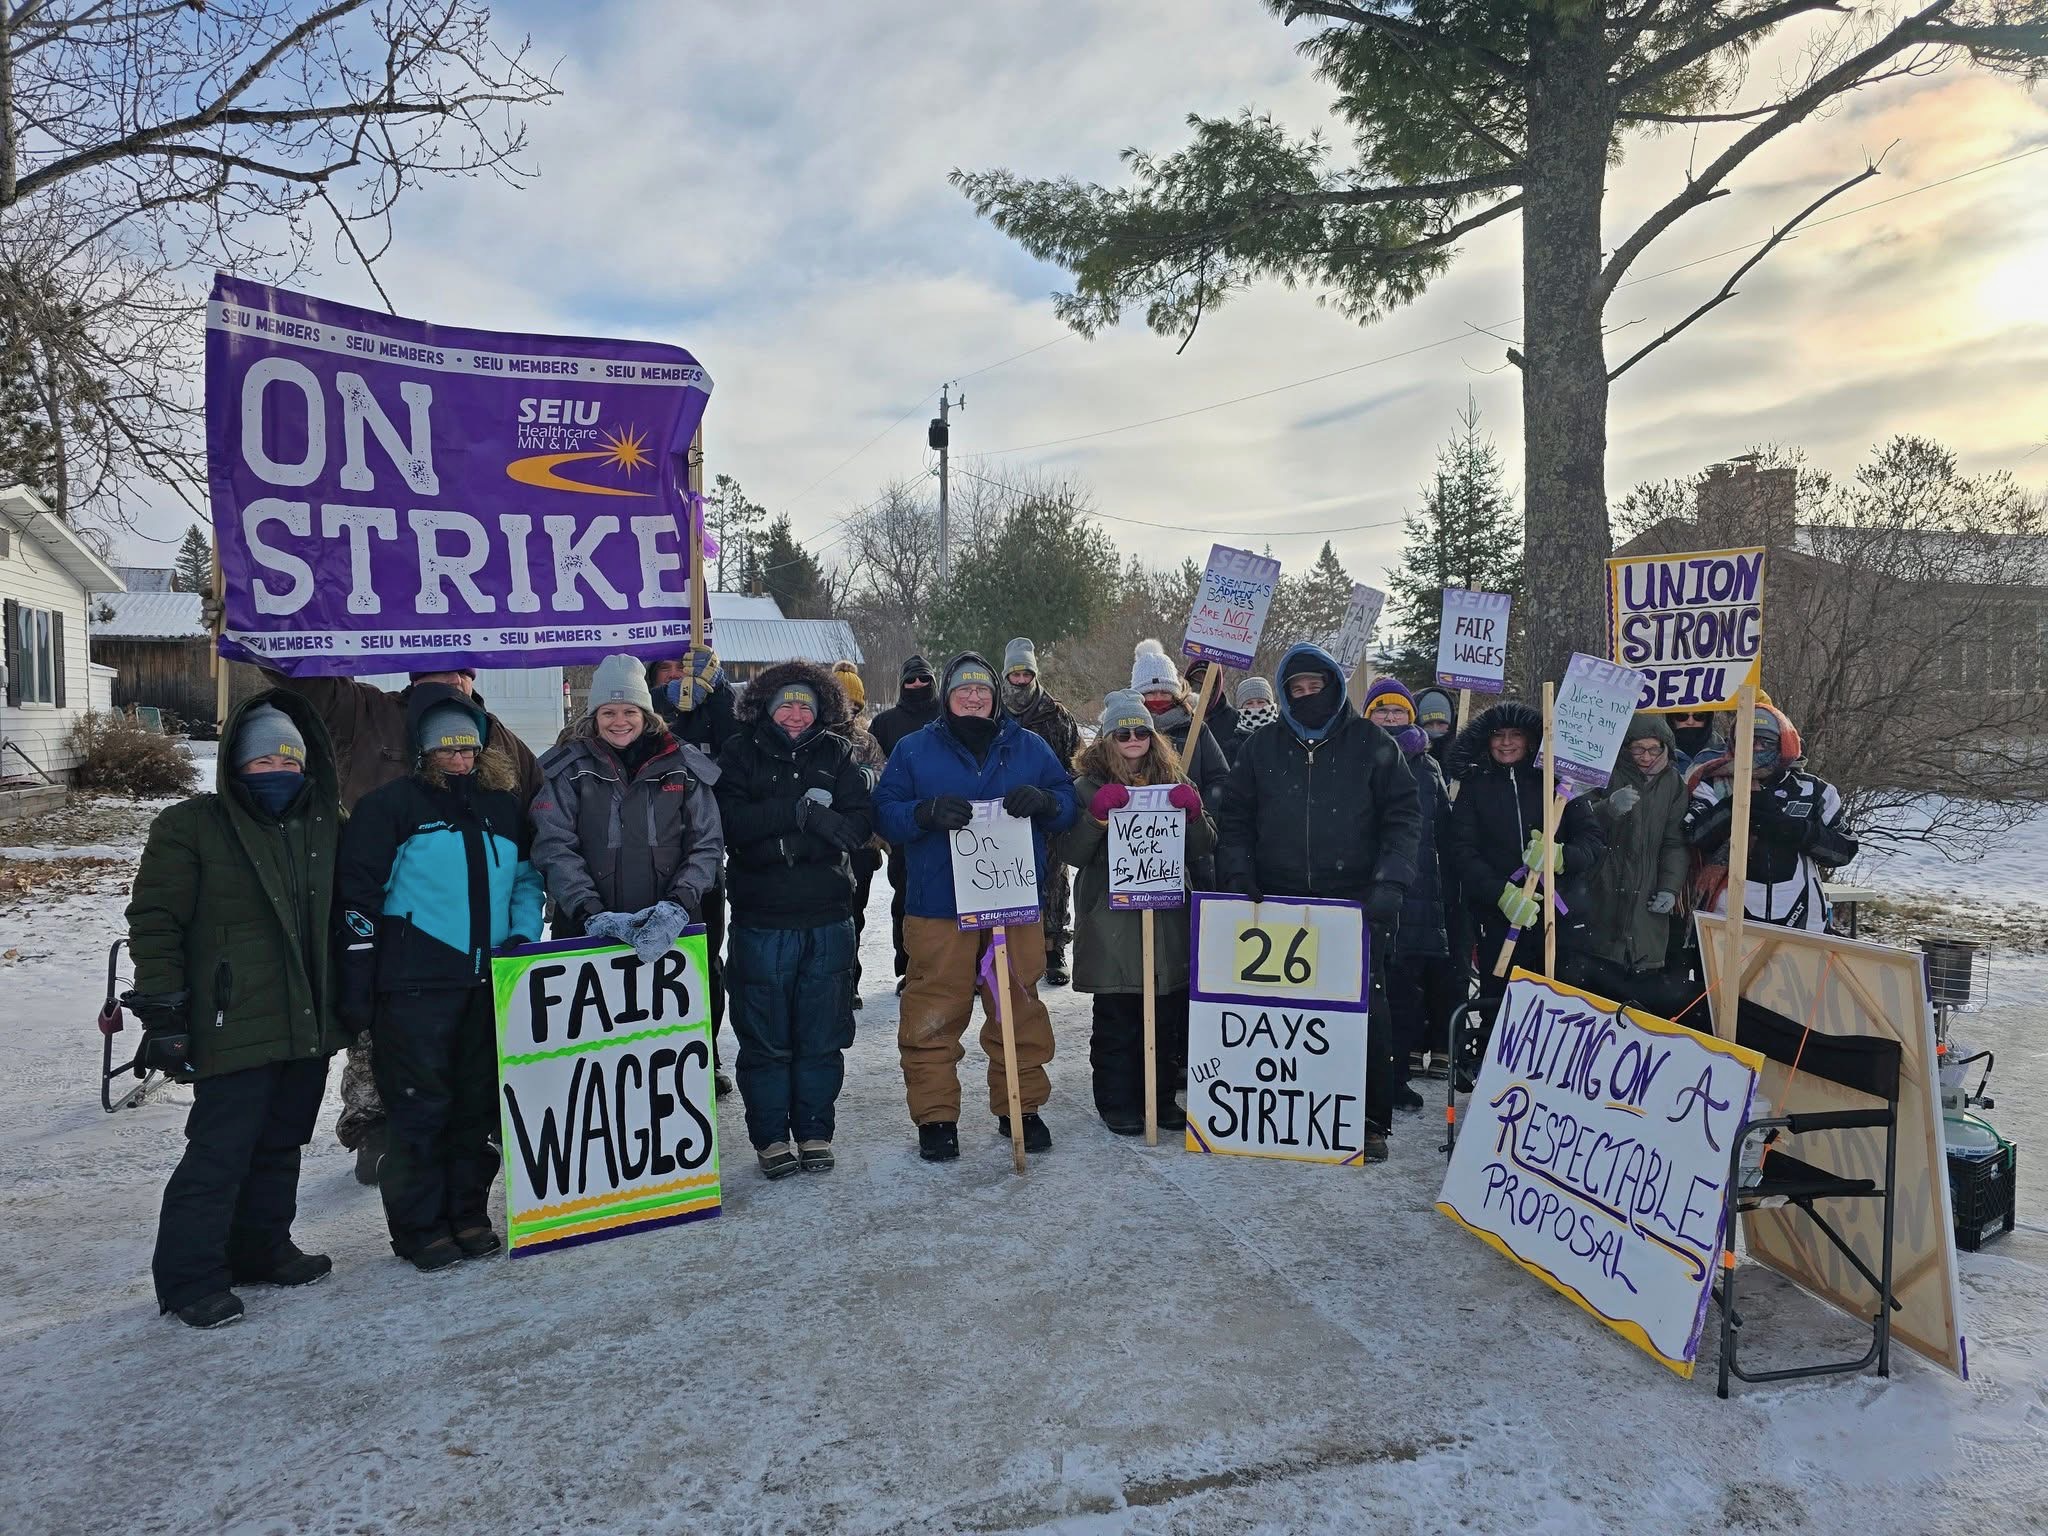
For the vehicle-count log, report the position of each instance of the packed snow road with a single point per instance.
(1127, 1339)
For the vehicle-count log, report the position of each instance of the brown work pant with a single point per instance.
(939, 1002)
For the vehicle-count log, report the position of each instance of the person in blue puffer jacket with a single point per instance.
(973, 751)
(435, 875)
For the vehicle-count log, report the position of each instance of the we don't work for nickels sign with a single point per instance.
(395, 496)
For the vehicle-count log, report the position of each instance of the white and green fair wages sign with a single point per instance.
(609, 1116)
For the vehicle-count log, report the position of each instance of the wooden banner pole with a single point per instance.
(1009, 1031)
(1151, 1035)
(1464, 706)
(1551, 813)
(700, 591)
(1744, 748)
(220, 667)
(1195, 721)
(1507, 948)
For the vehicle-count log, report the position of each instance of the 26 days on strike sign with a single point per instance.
(1692, 624)
(1472, 644)
(1148, 852)
(391, 496)
(607, 1110)
(1277, 1017)
(1595, 1155)
(1230, 606)
(995, 869)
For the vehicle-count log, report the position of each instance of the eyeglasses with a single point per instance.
(1131, 733)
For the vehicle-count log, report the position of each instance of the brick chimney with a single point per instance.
(1741, 503)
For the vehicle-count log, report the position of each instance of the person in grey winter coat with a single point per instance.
(626, 832)
(1616, 941)
(1109, 950)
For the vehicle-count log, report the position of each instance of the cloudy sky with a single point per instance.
(764, 181)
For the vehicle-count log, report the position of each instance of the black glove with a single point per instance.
(1030, 800)
(166, 1020)
(1786, 822)
(1246, 884)
(1383, 900)
(834, 828)
(944, 813)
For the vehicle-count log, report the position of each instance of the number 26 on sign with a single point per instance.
(1280, 957)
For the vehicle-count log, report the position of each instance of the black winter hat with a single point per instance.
(915, 666)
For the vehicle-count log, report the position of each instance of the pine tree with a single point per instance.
(736, 525)
(791, 574)
(1309, 607)
(1048, 573)
(192, 571)
(1466, 534)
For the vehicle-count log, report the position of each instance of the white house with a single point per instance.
(49, 578)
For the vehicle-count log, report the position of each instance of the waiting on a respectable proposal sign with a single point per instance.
(395, 496)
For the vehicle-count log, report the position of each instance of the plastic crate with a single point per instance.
(1984, 1191)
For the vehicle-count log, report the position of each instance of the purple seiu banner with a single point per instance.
(395, 496)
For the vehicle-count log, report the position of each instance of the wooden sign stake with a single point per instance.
(1151, 1035)
(1536, 875)
(1009, 1029)
(1744, 748)
(1195, 720)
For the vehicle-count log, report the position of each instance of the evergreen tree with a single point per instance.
(1306, 607)
(736, 525)
(791, 574)
(28, 445)
(1465, 534)
(192, 571)
(1048, 573)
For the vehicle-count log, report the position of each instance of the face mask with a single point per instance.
(273, 791)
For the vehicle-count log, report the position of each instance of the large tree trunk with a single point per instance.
(1564, 373)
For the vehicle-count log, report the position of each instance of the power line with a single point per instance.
(1464, 335)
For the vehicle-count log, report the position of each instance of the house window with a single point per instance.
(32, 656)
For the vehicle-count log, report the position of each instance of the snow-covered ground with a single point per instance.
(1127, 1339)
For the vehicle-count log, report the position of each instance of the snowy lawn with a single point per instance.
(1128, 1339)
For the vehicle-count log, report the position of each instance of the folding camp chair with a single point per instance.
(1471, 1028)
(1866, 1065)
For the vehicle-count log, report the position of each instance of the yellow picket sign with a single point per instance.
(1274, 957)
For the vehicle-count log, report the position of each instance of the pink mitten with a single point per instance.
(1111, 797)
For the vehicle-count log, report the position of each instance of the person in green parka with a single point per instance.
(1109, 954)
(229, 928)
(1616, 942)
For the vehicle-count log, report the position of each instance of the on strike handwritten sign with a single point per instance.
(1692, 624)
(1148, 852)
(1277, 1012)
(1595, 703)
(995, 869)
(1472, 644)
(1230, 606)
(1595, 1155)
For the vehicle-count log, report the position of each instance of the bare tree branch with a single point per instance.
(1728, 290)
(1737, 29)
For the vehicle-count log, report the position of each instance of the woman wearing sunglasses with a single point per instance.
(1109, 955)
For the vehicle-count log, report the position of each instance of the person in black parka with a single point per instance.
(1497, 817)
(797, 807)
(1322, 804)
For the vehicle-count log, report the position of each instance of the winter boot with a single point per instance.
(1405, 1096)
(1375, 1146)
(1036, 1137)
(370, 1154)
(1056, 968)
(778, 1160)
(215, 1311)
(478, 1242)
(1123, 1122)
(815, 1156)
(938, 1141)
(287, 1266)
(1172, 1117)
(432, 1258)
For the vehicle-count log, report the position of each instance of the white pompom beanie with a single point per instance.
(1152, 670)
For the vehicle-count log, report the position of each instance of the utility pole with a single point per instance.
(939, 436)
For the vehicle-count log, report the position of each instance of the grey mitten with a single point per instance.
(617, 927)
(1624, 800)
(1663, 904)
(657, 930)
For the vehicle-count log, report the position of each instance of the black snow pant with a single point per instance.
(1379, 1038)
(1058, 910)
(899, 882)
(437, 1068)
(714, 953)
(229, 1206)
(865, 862)
(1422, 993)
(792, 1012)
(1492, 933)
(1116, 1053)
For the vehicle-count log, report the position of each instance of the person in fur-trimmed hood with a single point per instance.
(797, 808)
(1797, 827)
(1496, 832)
